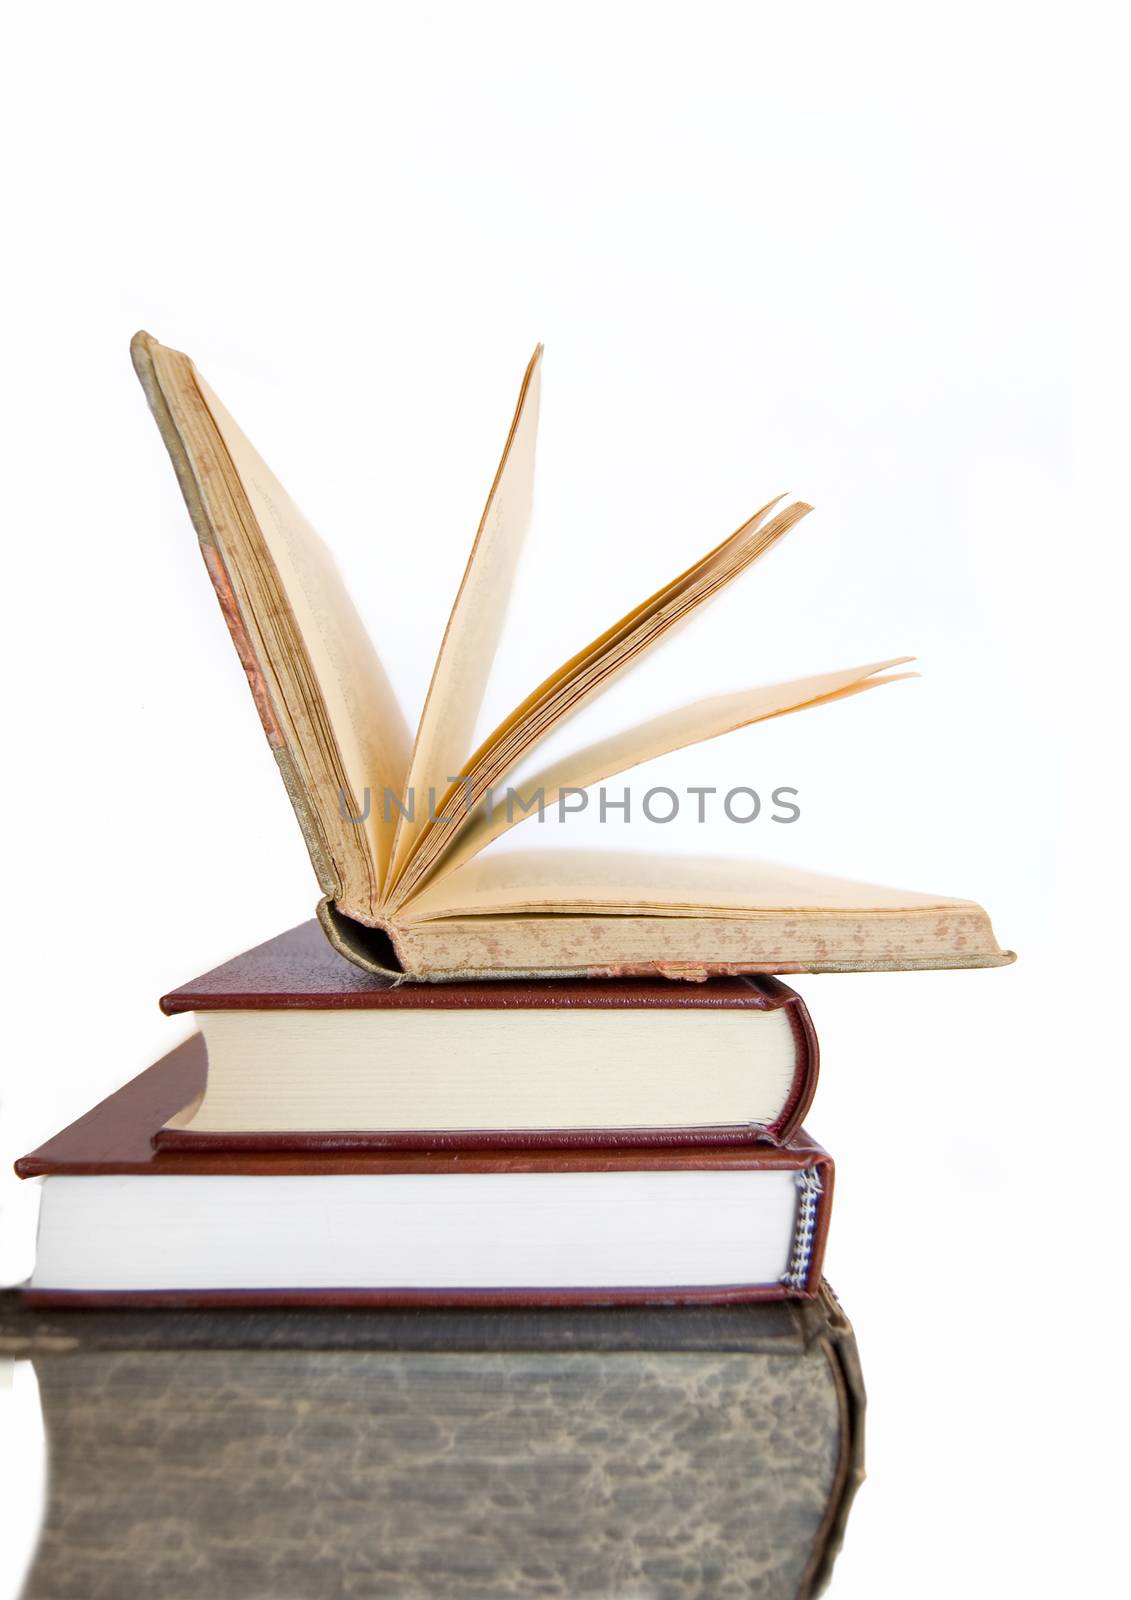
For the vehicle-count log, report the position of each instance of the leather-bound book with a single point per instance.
(122, 1220)
(307, 1051)
(443, 1455)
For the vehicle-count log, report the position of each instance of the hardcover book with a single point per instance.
(123, 1221)
(453, 1455)
(307, 1051)
(398, 826)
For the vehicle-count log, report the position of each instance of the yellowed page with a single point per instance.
(580, 679)
(618, 883)
(463, 666)
(263, 625)
(365, 721)
(675, 730)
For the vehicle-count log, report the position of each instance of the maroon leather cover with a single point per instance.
(300, 970)
(116, 1138)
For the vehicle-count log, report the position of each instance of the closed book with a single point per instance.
(444, 1455)
(308, 1051)
(123, 1220)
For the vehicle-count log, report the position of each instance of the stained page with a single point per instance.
(341, 664)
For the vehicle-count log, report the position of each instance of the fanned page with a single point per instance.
(362, 715)
(577, 681)
(471, 640)
(675, 730)
(322, 693)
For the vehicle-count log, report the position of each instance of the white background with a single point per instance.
(873, 256)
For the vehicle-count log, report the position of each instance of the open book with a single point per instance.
(407, 889)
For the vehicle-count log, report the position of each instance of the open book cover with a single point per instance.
(409, 888)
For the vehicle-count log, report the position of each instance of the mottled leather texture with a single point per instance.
(280, 1455)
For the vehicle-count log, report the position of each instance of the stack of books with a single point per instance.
(482, 1078)
(330, 1137)
(591, 1085)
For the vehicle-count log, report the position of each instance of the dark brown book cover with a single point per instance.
(300, 970)
(116, 1138)
(749, 1419)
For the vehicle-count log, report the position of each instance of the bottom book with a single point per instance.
(124, 1221)
(470, 1455)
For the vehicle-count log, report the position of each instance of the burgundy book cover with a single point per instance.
(116, 1138)
(301, 971)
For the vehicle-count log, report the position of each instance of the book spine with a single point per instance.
(809, 1191)
(806, 1071)
(184, 1141)
(414, 1298)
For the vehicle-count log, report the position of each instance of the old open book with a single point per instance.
(407, 888)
